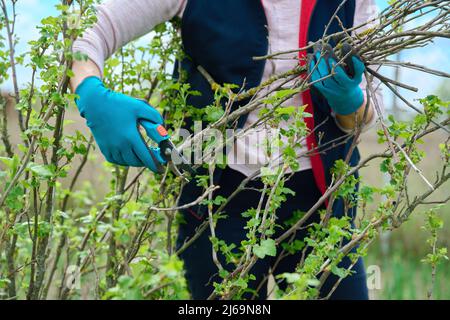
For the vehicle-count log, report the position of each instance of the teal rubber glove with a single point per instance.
(341, 89)
(114, 118)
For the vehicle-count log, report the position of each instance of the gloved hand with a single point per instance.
(342, 89)
(113, 119)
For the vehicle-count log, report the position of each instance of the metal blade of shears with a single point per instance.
(179, 165)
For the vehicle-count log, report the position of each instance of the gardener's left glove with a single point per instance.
(114, 120)
(341, 83)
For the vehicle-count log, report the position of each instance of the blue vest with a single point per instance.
(223, 36)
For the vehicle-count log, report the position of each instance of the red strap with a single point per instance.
(307, 7)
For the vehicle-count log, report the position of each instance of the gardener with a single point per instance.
(222, 37)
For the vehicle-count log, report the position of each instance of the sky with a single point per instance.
(436, 55)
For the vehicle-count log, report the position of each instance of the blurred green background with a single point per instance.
(398, 254)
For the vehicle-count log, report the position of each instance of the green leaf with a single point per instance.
(265, 171)
(219, 200)
(78, 56)
(213, 113)
(40, 170)
(70, 73)
(340, 272)
(12, 163)
(290, 277)
(114, 62)
(160, 28)
(241, 283)
(266, 248)
(286, 110)
(14, 201)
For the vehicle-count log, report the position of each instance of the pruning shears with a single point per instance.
(167, 150)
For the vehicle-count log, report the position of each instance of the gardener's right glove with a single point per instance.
(340, 88)
(113, 119)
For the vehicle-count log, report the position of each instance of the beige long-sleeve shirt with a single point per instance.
(120, 22)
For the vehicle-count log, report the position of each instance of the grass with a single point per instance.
(404, 276)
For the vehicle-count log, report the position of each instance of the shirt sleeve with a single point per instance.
(119, 22)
